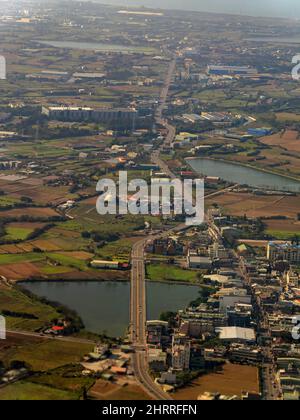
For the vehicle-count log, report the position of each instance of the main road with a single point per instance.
(138, 304)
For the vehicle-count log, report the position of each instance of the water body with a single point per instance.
(105, 306)
(243, 175)
(268, 8)
(91, 46)
(275, 40)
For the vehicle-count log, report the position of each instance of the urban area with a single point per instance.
(144, 307)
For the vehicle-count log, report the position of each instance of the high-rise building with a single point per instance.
(181, 353)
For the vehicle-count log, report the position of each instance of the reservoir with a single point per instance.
(105, 306)
(243, 175)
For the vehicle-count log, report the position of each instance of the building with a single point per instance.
(110, 265)
(228, 298)
(259, 132)
(239, 353)
(289, 377)
(157, 360)
(181, 353)
(198, 262)
(284, 252)
(68, 113)
(231, 71)
(237, 335)
(157, 332)
(240, 316)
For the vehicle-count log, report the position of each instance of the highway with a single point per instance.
(138, 304)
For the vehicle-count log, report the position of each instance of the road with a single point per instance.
(138, 304)
(48, 337)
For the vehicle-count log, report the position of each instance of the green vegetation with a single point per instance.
(65, 260)
(47, 354)
(280, 235)
(164, 272)
(67, 378)
(25, 390)
(14, 300)
(15, 234)
(20, 258)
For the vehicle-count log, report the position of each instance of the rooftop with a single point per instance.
(233, 333)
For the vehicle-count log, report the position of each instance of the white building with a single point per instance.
(283, 252)
(237, 335)
(181, 352)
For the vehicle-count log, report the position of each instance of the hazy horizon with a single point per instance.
(269, 8)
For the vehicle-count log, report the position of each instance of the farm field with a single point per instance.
(26, 391)
(30, 211)
(14, 300)
(46, 354)
(239, 204)
(103, 390)
(163, 272)
(282, 229)
(288, 140)
(230, 380)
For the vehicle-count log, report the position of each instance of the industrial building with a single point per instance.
(237, 335)
(68, 113)
(231, 71)
(110, 265)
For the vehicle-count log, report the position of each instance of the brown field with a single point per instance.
(288, 140)
(232, 380)
(16, 340)
(45, 245)
(27, 225)
(19, 271)
(290, 226)
(239, 204)
(57, 232)
(104, 390)
(31, 211)
(288, 165)
(10, 249)
(79, 255)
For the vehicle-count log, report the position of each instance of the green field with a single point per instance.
(29, 391)
(164, 272)
(13, 300)
(68, 261)
(19, 258)
(8, 201)
(47, 354)
(281, 235)
(17, 233)
(119, 250)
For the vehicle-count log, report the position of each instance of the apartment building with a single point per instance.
(284, 252)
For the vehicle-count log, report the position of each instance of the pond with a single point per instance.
(104, 306)
(243, 175)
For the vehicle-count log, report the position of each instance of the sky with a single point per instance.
(272, 8)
